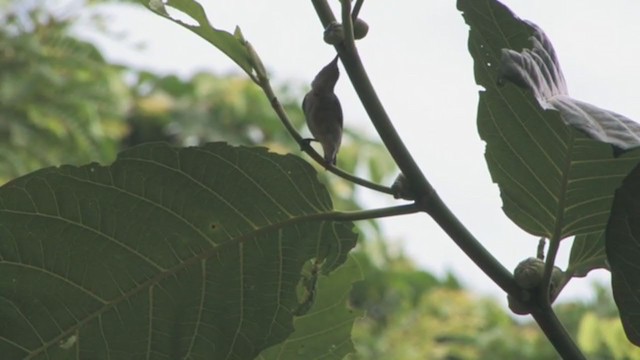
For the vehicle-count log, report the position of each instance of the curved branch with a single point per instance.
(306, 147)
(426, 196)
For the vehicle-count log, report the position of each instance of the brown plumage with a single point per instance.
(323, 112)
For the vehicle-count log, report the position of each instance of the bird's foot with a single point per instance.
(305, 144)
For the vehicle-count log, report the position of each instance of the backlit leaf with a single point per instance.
(233, 46)
(623, 251)
(166, 253)
(555, 181)
(587, 253)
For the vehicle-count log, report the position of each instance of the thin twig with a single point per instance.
(540, 251)
(356, 10)
(364, 214)
(306, 147)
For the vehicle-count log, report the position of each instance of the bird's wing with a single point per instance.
(339, 107)
(304, 104)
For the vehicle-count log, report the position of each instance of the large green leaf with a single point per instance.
(587, 253)
(538, 70)
(60, 101)
(325, 331)
(555, 181)
(233, 45)
(166, 253)
(623, 252)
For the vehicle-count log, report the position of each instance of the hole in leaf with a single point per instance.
(69, 342)
(181, 16)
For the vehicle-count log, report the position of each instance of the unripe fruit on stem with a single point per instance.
(516, 306)
(333, 34)
(555, 285)
(529, 273)
(401, 188)
(360, 29)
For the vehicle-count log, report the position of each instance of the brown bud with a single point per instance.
(517, 307)
(360, 29)
(529, 273)
(333, 34)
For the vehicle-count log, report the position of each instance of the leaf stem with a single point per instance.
(365, 214)
(554, 246)
(426, 196)
(356, 10)
(556, 333)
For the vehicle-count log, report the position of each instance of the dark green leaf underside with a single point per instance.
(554, 180)
(167, 252)
(623, 251)
(226, 42)
(325, 331)
(587, 253)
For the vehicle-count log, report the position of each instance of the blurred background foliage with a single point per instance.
(61, 102)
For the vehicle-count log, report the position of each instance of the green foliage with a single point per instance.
(557, 161)
(193, 111)
(587, 253)
(596, 326)
(623, 251)
(233, 45)
(605, 339)
(167, 252)
(447, 322)
(554, 180)
(206, 107)
(392, 287)
(311, 338)
(60, 102)
(219, 251)
(450, 324)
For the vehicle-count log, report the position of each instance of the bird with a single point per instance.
(323, 111)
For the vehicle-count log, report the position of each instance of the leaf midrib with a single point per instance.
(204, 256)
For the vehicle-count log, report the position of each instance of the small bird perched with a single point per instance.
(323, 112)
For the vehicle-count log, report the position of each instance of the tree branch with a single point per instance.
(556, 333)
(426, 196)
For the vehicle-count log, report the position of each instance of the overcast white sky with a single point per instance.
(416, 55)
